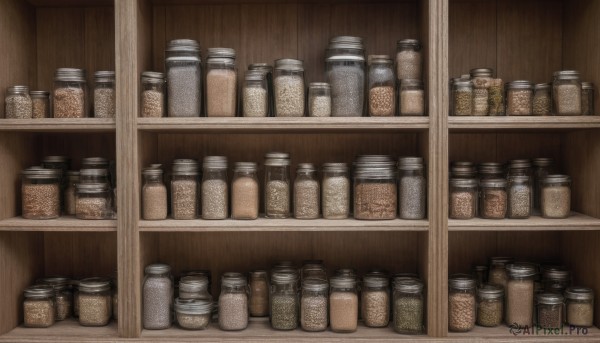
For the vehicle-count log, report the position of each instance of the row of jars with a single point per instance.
(382, 189)
(291, 298)
(69, 97)
(479, 94)
(49, 190)
(94, 301)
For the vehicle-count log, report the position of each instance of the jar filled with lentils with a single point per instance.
(519, 197)
(587, 99)
(382, 87)
(70, 93)
(40, 193)
(412, 188)
(408, 306)
(306, 192)
(38, 307)
(193, 314)
(549, 308)
(95, 302)
(519, 98)
(580, 306)
(462, 306)
(184, 189)
(215, 190)
(409, 59)
(335, 191)
(18, 103)
(462, 98)
(463, 198)
(555, 199)
(259, 294)
(255, 95)
(153, 94)
(277, 185)
(288, 88)
(319, 99)
(157, 293)
(233, 302)
(345, 67)
(519, 294)
(542, 99)
(375, 304)
(285, 303)
(490, 305)
(104, 94)
(93, 201)
(245, 196)
(314, 305)
(154, 195)
(184, 78)
(40, 104)
(481, 78)
(221, 83)
(493, 203)
(566, 93)
(343, 304)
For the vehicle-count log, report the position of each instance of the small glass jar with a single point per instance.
(346, 75)
(335, 191)
(462, 98)
(277, 185)
(319, 99)
(493, 204)
(157, 294)
(519, 98)
(288, 88)
(184, 190)
(542, 99)
(63, 296)
(549, 310)
(375, 301)
(542, 167)
(215, 191)
(200, 273)
(193, 314)
(18, 103)
(409, 60)
(498, 275)
(490, 305)
(95, 302)
(285, 305)
(245, 196)
(519, 294)
(412, 188)
(153, 94)
(93, 201)
(463, 198)
(40, 193)
(38, 307)
(375, 194)
(314, 305)
(104, 94)
(184, 78)
(194, 287)
(408, 307)
(70, 93)
(462, 306)
(255, 95)
(154, 195)
(480, 272)
(412, 98)
(259, 294)
(268, 71)
(556, 279)
(40, 104)
(481, 78)
(382, 88)
(555, 197)
(519, 197)
(221, 83)
(233, 302)
(343, 304)
(580, 306)
(306, 192)
(587, 99)
(566, 93)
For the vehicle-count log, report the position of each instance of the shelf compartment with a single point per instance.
(504, 334)
(520, 123)
(63, 331)
(59, 125)
(576, 221)
(66, 224)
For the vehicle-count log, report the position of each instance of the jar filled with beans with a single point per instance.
(259, 294)
(519, 98)
(38, 306)
(288, 88)
(255, 96)
(461, 303)
(382, 88)
(70, 93)
(409, 59)
(481, 78)
(462, 98)
(221, 83)
(245, 195)
(556, 279)
(153, 94)
(93, 201)
(95, 302)
(18, 103)
(542, 99)
(319, 99)
(587, 99)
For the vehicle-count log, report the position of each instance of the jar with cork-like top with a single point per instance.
(412, 98)
(277, 185)
(95, 302)
(463, 198)
(215, 190)
(409, 59)
(462, 306)
(288, 88)
(307, 192)
(284, 299)
(335, 191)
(314, 305)
(233, 302)
(104, 94)
(319, 99)
(587, 99)
(40, 104)
(154, 195)
(408, 306)
(18, 103)
(519, 98)
(221, 83)
(580, 306)
(157, 297)
(555, 196)
(490, 305)
(40, 193)
(549, 308)
(345, 69)
(542, 99)
(184, 78)
(70, 93)
(519, 294)
(153, 94)
(259, 294)
(481, 78)
(566, 93)
(462, 98)
(38, 306)
(255, 96)
(382, 87)
(343, 304)
(245, 196)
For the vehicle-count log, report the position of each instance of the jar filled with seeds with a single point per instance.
(194, 287)
(412, 98)
(375, 304)
(245, 196)
(566, 93)
(63, 296)
(221, 83)
(461, 303)
(490, 305)
(288, 88)
(93, 201)
(335, 191)
(549, 310)
(555, 197)
(482, 79)
(498, 274)
(70, 191)
(343, 304)
(519, 197)
(267, 70)
(480, 272)
(40, 104)
(493, 203)
(587, 99)
(259, 294)
(496, 97)
(409, 60)
(463, 198)
(157, 292)
(580, 306)
(346, 75)
(255, 95)
(38, 307)
(408, 307)
(70, 93)
(306, 192)
(314, 305)
(412, 188)
(95, 302)
(40, 193)
(556, 279)
(382, 88)
(184, 189)
(153, 94)
(193, 314)
(319, 99)
(104, 94)
(184, 78)
(215, 190)
(154, 195)
(277, 185)
(462, 98)
(542, 167)
(490, 170)
(18, 103)
(285, 305)
(375, 192)
(542, 99)
(233, 302)
(519, 98)
(519, 294)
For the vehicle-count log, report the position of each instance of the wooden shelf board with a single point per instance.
(502, 333)
(280, 225)
(516, 123)
(576, 221)
(61, 224)
(59, 125)
(63, 331)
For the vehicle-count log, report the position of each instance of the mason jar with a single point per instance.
(519, 294)
(542, 99)
(255, 95)
(104, 94)
(288, 88)
(549, 310)
(267, 70)
(409, 307)
(490, 305)
(314, 305)
(215, 190)
(566, 93)
(193, 314)
(70, 93)
(412, 188)
(498, 274)
(382, 88)
(95, 302)
(184, 78)
(306, 192)
(63, 296)
(335, 191)
(493, 203)
(409, 59)
(481, 78)
(277, 185)
(233, 302)
(542, 167)
(519, 98)
(343, 304)
(259, 294)
(40, 104)
(587, 99)
(519, 197)
(40, 193)
(285, 305)
(412, 98)
(184, 190)
(153, 94)
(375, 301)
(221, 83)
(375, 194)
(463, 198)
(556, 279)
(194, 287)
(580, 306)
(38, 306)
(555, 197)
(319, 99)
(462, 98)
(346, 75)
(462, 305)
(157, 296)
(18, 103)
(154, 195)
(93, 201)
(245, 196)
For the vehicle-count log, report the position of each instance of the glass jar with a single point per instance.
(542, 167)
(408, 307)
(285, 305)
(63, 296)
(104, 94)
(233, 302)
(215, 190)
(493, 204)
(201, 273)
(580, 306)
(566, 93)
(461, 303)
(335, 191)
(259, 294)
(549, 310)
(382, 88)
(184, 78)
(542, 99)
(375, 194)
(556, 279)
(498, 274)
(462, 98)
(314, 305)
(95, 302)
(154, 195)
(482, 79)
(40, 104)
(490, 305)
(93, 201)
(221, 83)
(306, 192)
(555, 197)
(319, 99)
(93, 176)
(519, 98)
(153, 94)
(245, 197)
(38, 307)
(70, 93)
(496, 97)
(194, 287)
(69, 197)
(587, 99)
(268, 71)
(277, 185)
(412, 98)
(463, 198)
(343, 304)
(193, 314)
(255, 95)
(18, 103)
(375, 304)
(288, 88)
(409, 60)
(412, 188)
(157, 293)
(346, 75)
(519, 294)
(184, 190)
(40, 193)
(519, 197)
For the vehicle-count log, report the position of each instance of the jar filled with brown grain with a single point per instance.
(314, 305)
(555, 197)
(542, 167)
(255, 96)
(412, 98)
(63, 295)
(221, 83)
(490, 305)
(284, 300)
(70, 191)
(519, 294)
(345, 67)
(306, 192)
(493, 202)
(587, 99)
(375, 304)
(542, 99)
(18, 103)
(70, 93)
(267, 70)
(566, 93)
(580, 306)
(233, 302)
(549, 309)
(382, 88)
(259, 294)
(412, 188)
(463, 198)
(375, 190)
(194, 287)
(556, 279)
(462, 306)
(38, 306)
(40, 104)
(288, 88)
(335, 191)
(498, 274)
(157, 297)
(193, 314)
(462, 98)
(519, 98)
(153, 94)
(184, 78)
(245, 196)
(215, 190)
(519, 197)
(95, 302)
(277, 185)
(154, 195)
(343, 304)
(319, 99)
(184, 189)
(40, 193)
(481, 78)
(93, 201)
(408, 306)
(104, 94)
(409, 59)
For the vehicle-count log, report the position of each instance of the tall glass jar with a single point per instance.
(95, 302)
(519, 197)
(40, 193)
(233, 302)
(221, 83)
(154, 195)
(542, 99)
(462, 98)
(285, 305)
(194, 287)
(343, 304)
(556, 279)
(519, 98)
(580, 306)
(412, 98)
(70, 191)
(255, 95)
(382, 88)
(153, 94)
(481, 78)
(542, 167)
(40, 104)
(412, 188)
(490, 305)
(288, 88)
(409, 60)
(93, 201)
(193, 314)
(463, 198)
(38, 307)
(519, 294)
(277, 185)
(259, 294)
(314, 305)
(461, 303)
(375, 194)
(215, 191)
(566, 93)
(184, 78)
(346, 75)
(184, 190)
(319, 99)
(549, 310)
(335, 191)
(245, 197)
(70, 93)
(587, 99)
(18, 103)
(104, 94)
(266, 69)
(555, 199)
(157, 294)
(375, 304)
(408, 307)
(493, 204)
(498, 274)
(306, 192)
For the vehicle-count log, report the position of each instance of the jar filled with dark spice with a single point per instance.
(93, 201)
(463, 198)
(566, 93)
(519, 98)
(104, 94)
(319, 99)
(153, 94)
(277, 185)
(285, 303)
(480, 272)
(519, 197)
(587, 99)
(490, 305)
(345, 67)
(306, 192)
(184, 78)
(63, 296)
(245, 196)
(409, 59)
(481, 78)
(493, 203)
(542, 99)
(556, 279)
(335, 191)
(215, 190)
(40, 193)
(519, 294)
(288, 88)
(382, 88)
(259, 294)
(95, 302)
(40, 104)
(462, 98)
(408, 307)
(343, 304)
(580, 306)
(184, 189)
(375, 304)
(462, 306)
(233, 302)
(498, 275)
(550, 310)
(375, 191)
(38, 306)
(542, 167)
(221, 83)
(314, 305)
(70, 93)
(267, 70)
(555, 198)
(193, 314)
(255, 96)
(154, 195)
(412, 188)
(157, 293)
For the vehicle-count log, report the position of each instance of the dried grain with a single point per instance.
(320, 106)
(255, 102)
(306, 199)
(343, 311)
(154, 201)
(18, 107)
(40, 201)
(461, 312)
(94, 309)
(375, 307)
(313, 312)
(69, 103)
(233, 311)
(375, 201)
(277, 198)
(289, 96)
(336, 197)
(184, 202)
(244, 198)
(153, 103)
(221, 87)
(412, 102)
(382, 101)
(214, 199)
(104, 103)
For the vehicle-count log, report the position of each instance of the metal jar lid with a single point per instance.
(263, 66)
(193, 284)
(410, 160)
(104, 75)
(519, 163)
(376, 281)
(13, 90)
(258, 274)
(315, 285)
(284, 277)
(289, 63)
(157, 269)
(214, 162)
(221, 53)
(42, 173)
(549, 298)
(255, 75)
(519, 84)
(587, 85)
(463, 182)
(345, 272)
(152, 172)
(408, 286)
(555, 178)
(556, 273)
(343, 281)
(501, 260)
(277, 155)
(335, 167)
(490, 292)
(542, 161)
(92, 188)
(232, 279)
(306, 167)
(539, 86)
(520, 270)
(93, 172)
(38, 291)
(94, 161)
(461, 281)
(56, 159)
(69, 74)
(245, 166)
(482, 72)
(566, 75)
(409, 43)
(94, 285)
(39, 94)
(493, 183)
(193, 306)
(153, 77)
(183, 45)
(579, 293)
(411, 83)
(346, 39)
(463, 83)
(319, 85)
(346, 58)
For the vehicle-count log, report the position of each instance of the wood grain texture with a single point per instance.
(464, 124)
(576, 221)
(59, 125)
(59, 224)
(67, 331)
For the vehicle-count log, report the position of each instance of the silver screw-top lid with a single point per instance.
(193, 306)
(193, 284)
(315, 285)
(14, 90)
(462, 281)
(335, 167)
(157, 268)
(579, 293)
(233, 279)
(376, 281)
(408, 285)
(343, 282)
(38, 291)
(550, 298)
(214, 162)
(283, 277)
(493, 183)
(520, 270)
(554, 178)
(411, 43)
(482, 72)
(94, 285)
(490, 292)
(245, 166)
